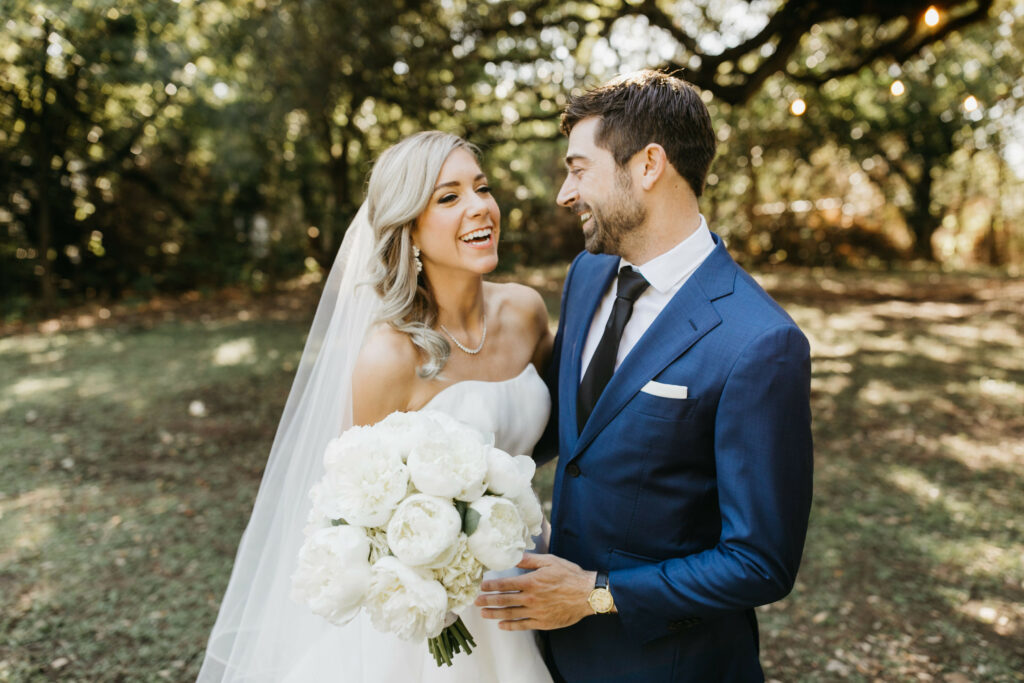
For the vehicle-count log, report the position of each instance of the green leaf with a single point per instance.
(471, 521)
(339, 522)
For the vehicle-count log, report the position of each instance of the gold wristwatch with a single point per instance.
(600, 599)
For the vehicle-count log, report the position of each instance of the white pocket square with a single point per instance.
(664, 390)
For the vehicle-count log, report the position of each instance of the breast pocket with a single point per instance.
(663, 408)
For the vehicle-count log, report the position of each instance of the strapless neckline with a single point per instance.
(529, 367)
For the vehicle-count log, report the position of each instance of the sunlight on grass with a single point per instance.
(855, 321)
(47, 357)
(132, 454)
(38, 385)
(97, 383)
(981, 558)
(980, 456)
(833, 384)
(26, 522)
(1004, 617)
(33, 343)
(880, 393)
(235, 352)
(977, 556)
(914, 483)
(996, 388)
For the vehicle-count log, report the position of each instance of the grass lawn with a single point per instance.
(133, 442)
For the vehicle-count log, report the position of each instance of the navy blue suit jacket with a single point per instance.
(697, 507)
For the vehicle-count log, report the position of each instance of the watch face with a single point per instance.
(600, 600)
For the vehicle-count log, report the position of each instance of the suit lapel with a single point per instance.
(688, 316)
(597, 284)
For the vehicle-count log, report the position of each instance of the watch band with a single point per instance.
(602, 580)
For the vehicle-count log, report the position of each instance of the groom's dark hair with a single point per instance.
(649, 106)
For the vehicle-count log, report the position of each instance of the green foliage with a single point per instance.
(887, 163)
(160, 147)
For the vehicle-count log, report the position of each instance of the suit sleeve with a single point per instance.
(763, 460)
(547, 448)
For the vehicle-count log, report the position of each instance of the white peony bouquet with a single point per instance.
(408, 515)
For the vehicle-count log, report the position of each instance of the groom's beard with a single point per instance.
(614, 221)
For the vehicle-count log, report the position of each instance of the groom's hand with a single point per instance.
(552, 596)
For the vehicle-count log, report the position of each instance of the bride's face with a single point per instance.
(459, 228)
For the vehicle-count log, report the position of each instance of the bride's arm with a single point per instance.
(384, 376)
(545, 340)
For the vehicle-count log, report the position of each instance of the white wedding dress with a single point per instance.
(516, 412)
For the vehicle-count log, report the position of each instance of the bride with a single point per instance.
(405, 322)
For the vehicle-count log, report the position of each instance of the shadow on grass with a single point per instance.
(132, 457)
(913, 560)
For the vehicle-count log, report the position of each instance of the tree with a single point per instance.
(906, 122)
(196, 144)
(82, 88)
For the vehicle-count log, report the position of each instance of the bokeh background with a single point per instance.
(175, 177)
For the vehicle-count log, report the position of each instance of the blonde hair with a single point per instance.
(400, 187)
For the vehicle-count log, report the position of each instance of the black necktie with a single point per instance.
(630, 286)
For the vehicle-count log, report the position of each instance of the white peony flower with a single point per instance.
(424, 531)
(498, 540)
(316, 519)
(378, 537)
(404, 601)
(461, 577)
(364, 479)
(334, 572)
(508, 475)
(456, 428)
(451, 461)
(531, 513)
(405, 430)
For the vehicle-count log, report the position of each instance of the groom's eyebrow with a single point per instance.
(455, 183)
(570, 159)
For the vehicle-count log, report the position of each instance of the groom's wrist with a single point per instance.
(600, 598)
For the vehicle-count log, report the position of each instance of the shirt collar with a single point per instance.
(666, 270)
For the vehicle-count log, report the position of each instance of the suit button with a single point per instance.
(572, 469)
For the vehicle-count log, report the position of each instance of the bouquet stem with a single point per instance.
(452, 639)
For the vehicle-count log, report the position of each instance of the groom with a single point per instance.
(683, 485)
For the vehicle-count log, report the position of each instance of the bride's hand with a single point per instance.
(552, 596)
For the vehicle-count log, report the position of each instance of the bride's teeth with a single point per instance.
(477, 234)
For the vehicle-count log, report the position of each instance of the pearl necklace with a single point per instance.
(483, 338)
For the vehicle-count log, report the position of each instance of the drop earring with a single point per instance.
(416, 259)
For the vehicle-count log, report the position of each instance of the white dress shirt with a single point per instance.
(666, 273)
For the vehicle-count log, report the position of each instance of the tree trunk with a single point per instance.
(920, 219)
(44, 219)
(44, 233)
(996, 255)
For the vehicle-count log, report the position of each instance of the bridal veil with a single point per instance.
(260, 631)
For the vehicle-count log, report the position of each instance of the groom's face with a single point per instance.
(599, 191)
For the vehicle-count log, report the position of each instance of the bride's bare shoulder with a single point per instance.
(384, 374)
(525, 316)
(521, 304)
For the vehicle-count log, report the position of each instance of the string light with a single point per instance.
(970, 103)
(931, 16)
(897, 88)
(798, 107)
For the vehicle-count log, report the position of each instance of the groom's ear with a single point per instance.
(653, 162)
